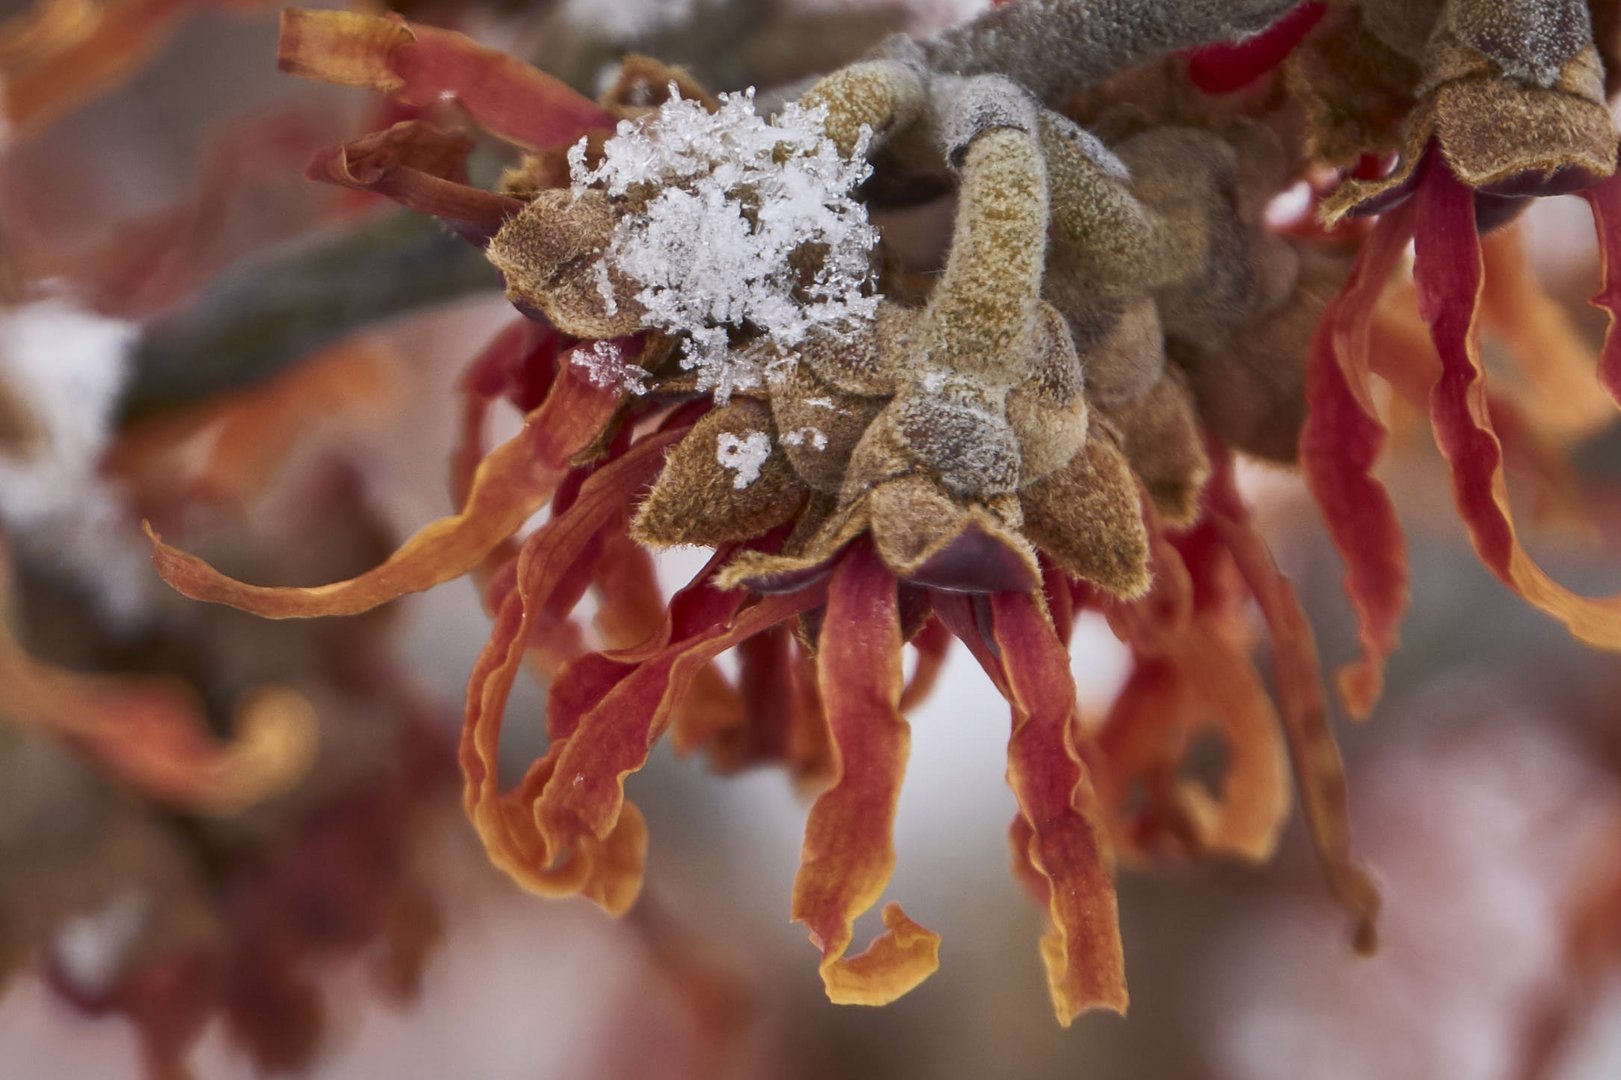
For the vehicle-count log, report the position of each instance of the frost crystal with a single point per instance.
(604, 365)
(745, 455)
(735, 221)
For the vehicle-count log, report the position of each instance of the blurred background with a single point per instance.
(151, 186)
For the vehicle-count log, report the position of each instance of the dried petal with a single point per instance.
(1448, 270)
(512, 483)
(225, 452)
(421, 65)
(1066, 845)
(1547, 348)
(505, 820)
(1319, 771)
(63, 53)
(1339, 448)
(1605, 201)
(849, 853)
(421, 168)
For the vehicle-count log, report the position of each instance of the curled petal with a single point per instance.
(968, 617)
(513, 482)
(1339, 448)
(613, 739)
(419, 167)
(1065, 848)
(524, 350)
(421, 65)
(849, 852)
(504, 821)
(630, 605)
(224, 452)
(1319, 771)
(1448, 272)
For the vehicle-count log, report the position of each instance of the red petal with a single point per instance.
(1339, 448)
(613, 739)
(1066, 844)
(1223, 68)
(421, 65)
(849, 853)
(513, 482)
(1448, 273)
(62, 53)
(932, 643)
(524, 351)
(1319, 772)
(414, 163)
(504, 820)
(968, 618)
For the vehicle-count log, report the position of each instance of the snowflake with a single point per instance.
(724, 207)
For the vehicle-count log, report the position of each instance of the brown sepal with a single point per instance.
(698, 501)
(1087, 518)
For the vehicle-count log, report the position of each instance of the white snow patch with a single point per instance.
(745, 456)
(91, 948)
(727, 201)
(66, 366)
(800, 436)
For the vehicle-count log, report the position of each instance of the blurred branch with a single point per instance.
(263, 315)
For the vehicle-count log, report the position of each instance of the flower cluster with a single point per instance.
(1044, 423)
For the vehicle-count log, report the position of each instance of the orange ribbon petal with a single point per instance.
(1339, 448)
(421, 65)
(418, 166)
(1448, 270)
(512, 483)
(613, 739)
(849, 852)
(1319, 772)
(1065, 848)
(504, 820)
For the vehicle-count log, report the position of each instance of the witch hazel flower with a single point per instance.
(1043, 423)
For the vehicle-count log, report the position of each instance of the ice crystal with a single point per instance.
(604, 365)
(737, 222)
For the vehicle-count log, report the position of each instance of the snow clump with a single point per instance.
(737, 221)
